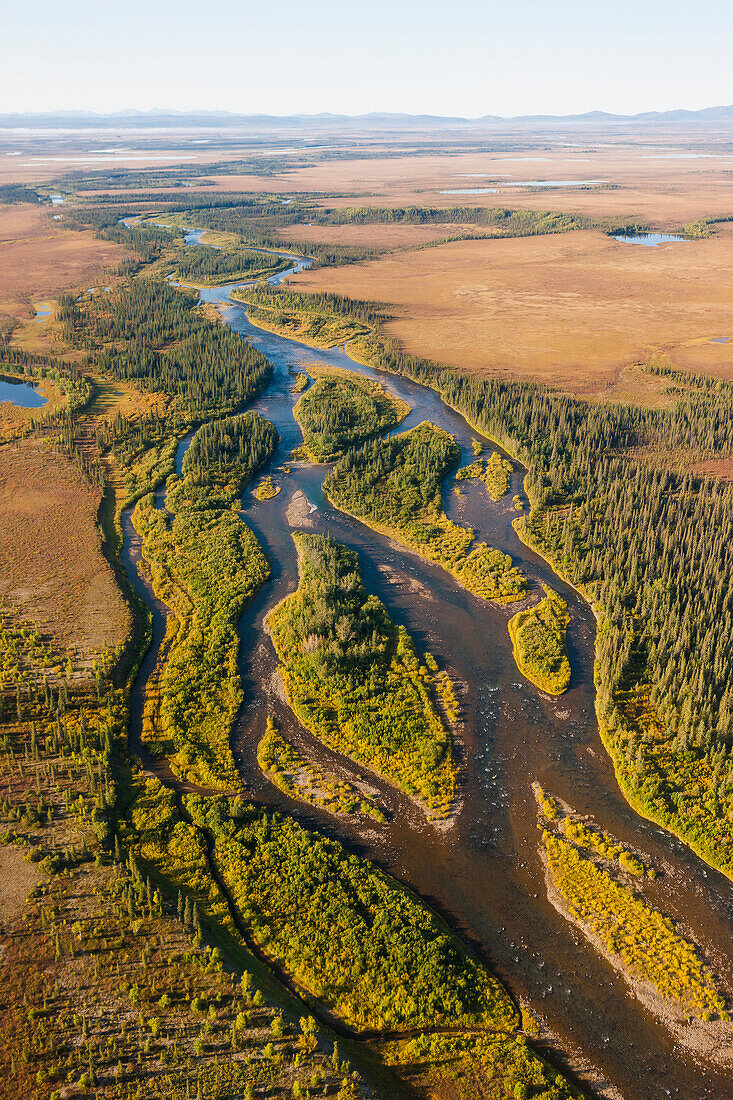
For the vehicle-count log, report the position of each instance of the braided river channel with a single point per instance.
(482, 870)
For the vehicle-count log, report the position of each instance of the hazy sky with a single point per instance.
(465, 57)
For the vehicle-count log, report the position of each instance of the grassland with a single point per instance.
(355, 680)
(603, 305)
(538, 639)
(300, 778)
(53, 569)
(394, 485)
(38, 260)
(342, 410)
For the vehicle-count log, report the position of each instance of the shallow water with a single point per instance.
(22, 394)
(471, 191)
(483, 873)
(552, 183)
(650, 240)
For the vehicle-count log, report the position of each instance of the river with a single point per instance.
(482, 873)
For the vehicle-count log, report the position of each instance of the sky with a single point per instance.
(465, 57)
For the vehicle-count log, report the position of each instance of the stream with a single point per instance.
(482, 872)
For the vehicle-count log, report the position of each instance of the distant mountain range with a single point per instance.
(169, 119)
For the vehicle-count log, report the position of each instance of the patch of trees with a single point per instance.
(358, 941)
(206, 265)
(340, 411)
(652, 545)
(355, 680)
(229, 452)
(395, 485)
(152, 335)
(538, 637)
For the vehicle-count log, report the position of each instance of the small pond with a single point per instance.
(23, 394)
(651, 240)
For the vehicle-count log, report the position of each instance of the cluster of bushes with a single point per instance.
(356, 939)
(646, 941)
(206, 564)
(538, 637)
(298, 777)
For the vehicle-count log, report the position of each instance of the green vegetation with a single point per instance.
(538, 638)
(266, 489)
(492, 1067)
(394, 485)
(358, 941)
(596, 840)
(154, 335)
(345, 932)
(108, 987)
(495, 473)
(203, 265)
(206, 565)
(355, 680)
(314, 319)
(624, 531)
(341, 410)
(646, 942)
(223, 456)
(301, 383)
(298, 777)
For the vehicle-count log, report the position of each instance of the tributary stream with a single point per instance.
(482, 872)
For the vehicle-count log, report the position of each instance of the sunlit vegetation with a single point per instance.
(266, 489)
(311, 319)
(495, 472)
(394, 485)
(354, 678)
(301, 383)
(625, 532)
(341, 410)
(225, 454)
(358, 941)
(604, 845)
(300, 778)
(503, 222)
(646, 942)
(152, 334)
(202, 265)
(492, 1067)
(109, 986)
(538, 637)
(205, 564)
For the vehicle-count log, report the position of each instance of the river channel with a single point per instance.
(483, 871)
